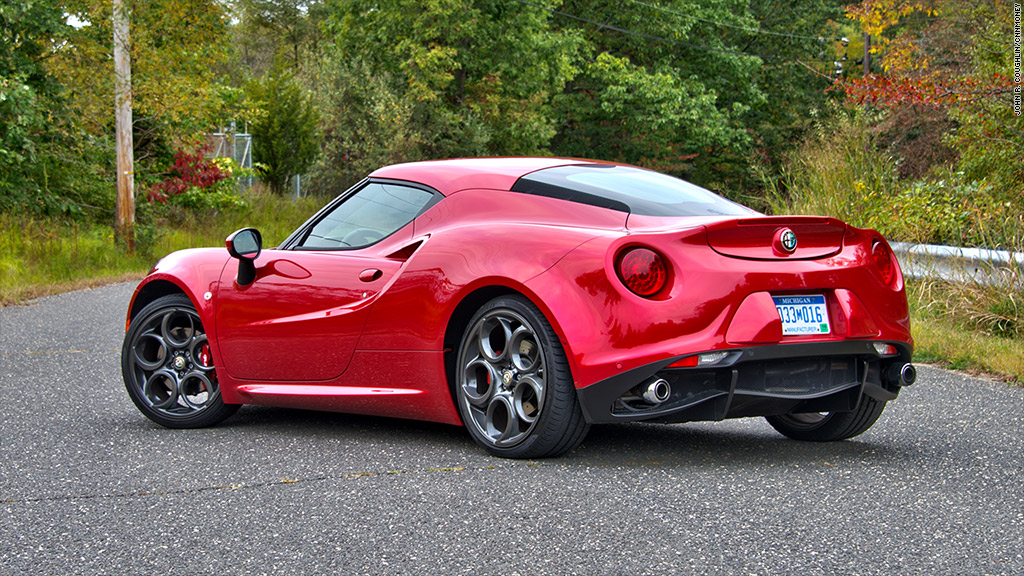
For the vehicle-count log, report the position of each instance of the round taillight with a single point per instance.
(883, 260)
(642, 271)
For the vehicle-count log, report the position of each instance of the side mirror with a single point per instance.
(245, 245)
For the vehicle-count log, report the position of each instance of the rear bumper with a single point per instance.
(752, 381)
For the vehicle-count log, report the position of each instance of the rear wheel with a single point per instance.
(513, 384)
(829, 426)
(168, 369)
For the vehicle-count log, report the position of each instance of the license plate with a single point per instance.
(802, 315)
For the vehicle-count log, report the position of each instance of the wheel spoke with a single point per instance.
(524, 350)
(196, 390)
(479, 381)
(493, 338)
(501, 422)
(200, 353)
(149, 351)
(526, 399)
(177, 328)
(161, 389)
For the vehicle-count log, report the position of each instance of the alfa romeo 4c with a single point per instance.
(526, 299)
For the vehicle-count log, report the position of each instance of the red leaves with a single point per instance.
(894, 91)
(190, 170)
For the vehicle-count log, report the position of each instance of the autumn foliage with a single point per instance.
(945, 76)
(189, 170)
(893, 91)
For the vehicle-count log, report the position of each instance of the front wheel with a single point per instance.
(168, 369)
(829, 426)
(513, 384)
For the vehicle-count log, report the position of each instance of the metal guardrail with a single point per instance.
(993, 267)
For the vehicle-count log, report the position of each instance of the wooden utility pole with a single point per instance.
(867, 54)
(124, 205)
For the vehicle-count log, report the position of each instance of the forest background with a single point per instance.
(768, 103)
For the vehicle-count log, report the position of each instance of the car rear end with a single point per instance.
(707, 317)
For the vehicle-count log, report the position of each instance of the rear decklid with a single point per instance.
(777, 237)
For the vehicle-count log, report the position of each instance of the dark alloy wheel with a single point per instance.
(167, 366)
(513, 385)
(829, 426)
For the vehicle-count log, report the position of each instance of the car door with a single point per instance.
(300, 320)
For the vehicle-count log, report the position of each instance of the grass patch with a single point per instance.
(39, 257)
(969, 326)
(15, 295)
(994, 309)
(276, 218)
(944, 343)
(42, 256)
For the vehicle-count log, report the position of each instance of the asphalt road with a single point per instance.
(89, 486)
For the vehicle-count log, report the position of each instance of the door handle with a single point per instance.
(370, 275)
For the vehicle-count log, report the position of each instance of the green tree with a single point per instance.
(281, 32)
(56, 95)
(663, 84)
(175, 48)
(366, 124)
(799, 41)
(479, 75)
(990, 137)
(285, 131)
(673, 84)
(944, 58)
(47, 166)
(29, 33)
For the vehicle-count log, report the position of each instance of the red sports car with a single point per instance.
(526, 299)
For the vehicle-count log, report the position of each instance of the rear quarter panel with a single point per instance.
(475, 239)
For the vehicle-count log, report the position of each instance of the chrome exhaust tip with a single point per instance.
(655, 391)
(902, 374)
(908, 374)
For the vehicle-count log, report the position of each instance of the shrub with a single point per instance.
(198, 183)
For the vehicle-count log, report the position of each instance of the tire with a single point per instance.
(167, 366)
(829, 426)
(513, 385)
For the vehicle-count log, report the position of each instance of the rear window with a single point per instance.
(627, 189)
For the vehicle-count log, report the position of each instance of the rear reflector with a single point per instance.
(688, 362)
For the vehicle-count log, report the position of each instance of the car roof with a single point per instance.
(449, 176)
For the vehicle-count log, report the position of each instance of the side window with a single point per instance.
(375, 211)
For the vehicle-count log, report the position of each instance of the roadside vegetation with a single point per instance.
(972, 325)
(768, 103)
(922, 153)
(42, 256)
